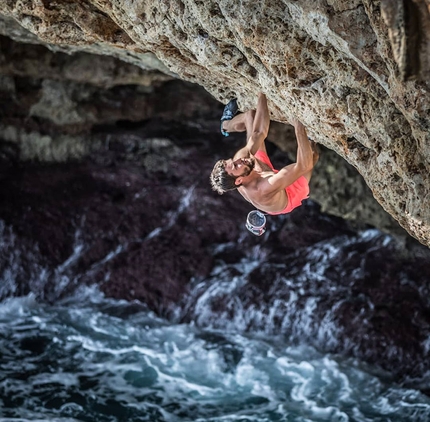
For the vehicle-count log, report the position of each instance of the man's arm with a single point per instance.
(256, 124)
(289, 174)
(260, 125)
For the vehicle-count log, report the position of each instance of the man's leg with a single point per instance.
(315, 157)
(256, 124)
(307, 150)
(240, 123)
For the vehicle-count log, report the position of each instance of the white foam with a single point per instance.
(224, 375)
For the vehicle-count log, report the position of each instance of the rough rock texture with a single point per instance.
(344, 68)
(409, 33)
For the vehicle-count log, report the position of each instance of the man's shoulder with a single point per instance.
(263, 186)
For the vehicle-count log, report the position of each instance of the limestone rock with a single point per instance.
(341, 67)
(57, 111)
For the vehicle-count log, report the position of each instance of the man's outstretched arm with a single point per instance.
(304, 164)
(304, 148)
(260, 125)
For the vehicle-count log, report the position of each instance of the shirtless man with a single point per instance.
(250, 170)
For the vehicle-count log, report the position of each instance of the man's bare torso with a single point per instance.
(260, 192)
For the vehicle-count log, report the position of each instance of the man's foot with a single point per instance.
(229, 112)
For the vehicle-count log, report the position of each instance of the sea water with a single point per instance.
(89, 358)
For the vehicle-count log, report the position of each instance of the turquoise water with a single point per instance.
(94, 359)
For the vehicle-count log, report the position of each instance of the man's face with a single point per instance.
(239, 167)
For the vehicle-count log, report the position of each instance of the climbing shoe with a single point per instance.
(230, 110)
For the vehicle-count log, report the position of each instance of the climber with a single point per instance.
(250, 170)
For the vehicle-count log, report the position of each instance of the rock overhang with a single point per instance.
(340, 67)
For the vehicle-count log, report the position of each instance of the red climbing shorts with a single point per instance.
(296, 192)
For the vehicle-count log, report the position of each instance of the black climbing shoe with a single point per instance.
(229, 112)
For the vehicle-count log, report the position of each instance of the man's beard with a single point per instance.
(250, 164)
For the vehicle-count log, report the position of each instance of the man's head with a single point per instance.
(228, 174)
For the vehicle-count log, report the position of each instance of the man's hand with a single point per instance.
(296, 122)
